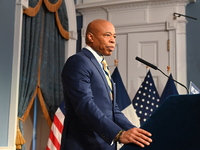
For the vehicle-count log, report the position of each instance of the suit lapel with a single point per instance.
(96, 64)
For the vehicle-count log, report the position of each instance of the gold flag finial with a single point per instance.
(116, 62)
(168, 69)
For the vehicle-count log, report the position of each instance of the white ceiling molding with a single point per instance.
(131, 3)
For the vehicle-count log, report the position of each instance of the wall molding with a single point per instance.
(7, 148)
(24, 3)
(122, 4)
(70, 45)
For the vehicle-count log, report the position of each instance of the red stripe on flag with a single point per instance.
(58, 124)
(47, 148)
(54, 140)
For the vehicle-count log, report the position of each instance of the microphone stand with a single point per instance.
(174, 80)
(156, 68)
(179, 15)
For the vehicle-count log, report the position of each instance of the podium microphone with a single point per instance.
(156, 68)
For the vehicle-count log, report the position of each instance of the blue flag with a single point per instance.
(147, 99)
(123, 99)
(170, 89)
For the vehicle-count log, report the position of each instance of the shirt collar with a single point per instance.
(96, 55)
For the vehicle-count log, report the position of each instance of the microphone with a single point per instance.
(156, 68)
(146, 63)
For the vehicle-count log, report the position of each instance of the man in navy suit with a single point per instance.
(93, 120)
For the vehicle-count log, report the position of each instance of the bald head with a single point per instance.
(96, 26)
(100, 36)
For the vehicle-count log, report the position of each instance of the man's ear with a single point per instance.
(90, 37)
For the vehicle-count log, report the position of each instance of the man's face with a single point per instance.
(103, 38)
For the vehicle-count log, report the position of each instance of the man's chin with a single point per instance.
(108, 54)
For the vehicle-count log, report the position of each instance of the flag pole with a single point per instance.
(116, 62)
(34, 136)
(147, 68)
(168, 70)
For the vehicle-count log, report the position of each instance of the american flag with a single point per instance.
(54, 141)
(147, 99)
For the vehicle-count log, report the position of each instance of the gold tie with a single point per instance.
(108, 77)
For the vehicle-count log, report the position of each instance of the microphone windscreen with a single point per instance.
(146, 63)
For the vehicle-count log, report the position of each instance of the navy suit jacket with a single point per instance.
(92, 119)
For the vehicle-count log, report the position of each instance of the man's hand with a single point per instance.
(137, 136)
